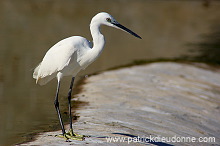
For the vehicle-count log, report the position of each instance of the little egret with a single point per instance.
(71, 55)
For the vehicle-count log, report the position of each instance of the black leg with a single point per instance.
(56, 103)
(69, 134)
(69, 100)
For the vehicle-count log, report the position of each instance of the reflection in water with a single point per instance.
(30, 28)
(208, 49)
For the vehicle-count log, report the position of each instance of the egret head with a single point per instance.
(106, 19)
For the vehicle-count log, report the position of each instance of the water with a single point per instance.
(30, 28)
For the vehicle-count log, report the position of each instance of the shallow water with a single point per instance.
(30, 28)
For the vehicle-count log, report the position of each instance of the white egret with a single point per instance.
(69, 56)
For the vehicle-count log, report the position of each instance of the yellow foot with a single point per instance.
(71, 135)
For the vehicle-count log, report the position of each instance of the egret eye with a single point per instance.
(108, 19)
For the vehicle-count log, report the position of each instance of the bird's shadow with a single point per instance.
(143, 140)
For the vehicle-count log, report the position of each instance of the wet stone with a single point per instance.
(168, 100)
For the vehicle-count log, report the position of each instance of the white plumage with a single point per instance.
(67, 57)
(71, 55)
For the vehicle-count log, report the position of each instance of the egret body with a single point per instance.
(69, 56)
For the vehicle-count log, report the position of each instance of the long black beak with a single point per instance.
(126, 29)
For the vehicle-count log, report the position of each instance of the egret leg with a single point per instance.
(69, 102)
(56, 104)
(70, 133)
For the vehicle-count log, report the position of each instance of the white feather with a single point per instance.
(65, 56)
(72, 54)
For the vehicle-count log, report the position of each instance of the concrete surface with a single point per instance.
(137, 104)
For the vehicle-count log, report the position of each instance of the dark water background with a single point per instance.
(169, 29)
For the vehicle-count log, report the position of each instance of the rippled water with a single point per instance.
(30, 28)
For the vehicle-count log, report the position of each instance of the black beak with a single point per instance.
(126, 29)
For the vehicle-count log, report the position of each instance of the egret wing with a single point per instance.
(60, 56)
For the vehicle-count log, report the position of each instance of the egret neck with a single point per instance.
(98, 39)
